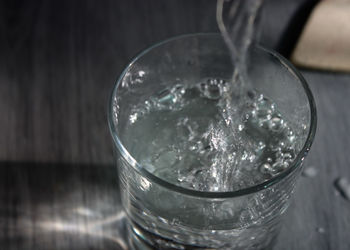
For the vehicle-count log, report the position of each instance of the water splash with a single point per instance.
(211, 144)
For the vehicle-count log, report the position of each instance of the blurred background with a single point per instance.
(58, 63)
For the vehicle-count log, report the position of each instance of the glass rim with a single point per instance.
(211, 194)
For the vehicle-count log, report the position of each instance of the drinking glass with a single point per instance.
(162, 215)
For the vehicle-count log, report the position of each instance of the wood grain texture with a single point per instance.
(58, 63)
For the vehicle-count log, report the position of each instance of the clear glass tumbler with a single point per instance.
(162, 215)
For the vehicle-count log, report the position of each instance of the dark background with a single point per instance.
(58, 63)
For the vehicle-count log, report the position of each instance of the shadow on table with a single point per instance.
(60, 206)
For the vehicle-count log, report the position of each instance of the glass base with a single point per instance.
(140, 239)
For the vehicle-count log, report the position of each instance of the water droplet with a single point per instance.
(320, 230)
(343, 186)
(309, 172)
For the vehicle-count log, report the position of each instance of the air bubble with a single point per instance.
(261, 98)
(244, 156)
(251, 94)
(276, 124)
(279, 166)
(266, 168)
(287, 156)
(213, 88)
(264, 114)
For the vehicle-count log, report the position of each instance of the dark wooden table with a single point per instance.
(58, 63)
